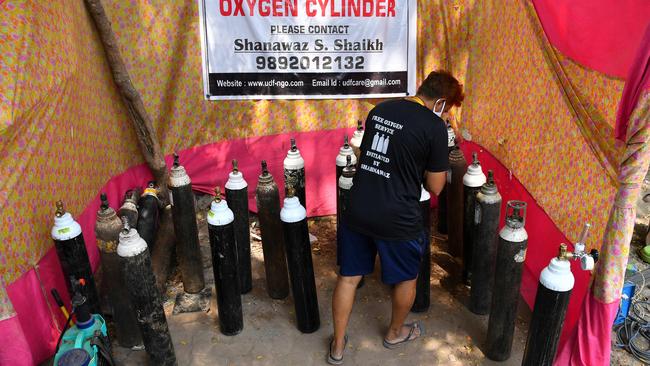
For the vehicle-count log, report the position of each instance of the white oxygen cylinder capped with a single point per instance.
(292, 211)
(344, 151)
(178, 176)
(474, 176)
(236, 179)
(557, 275)
(293, 160)
(65, 227)
(220, 214)
(131, 244)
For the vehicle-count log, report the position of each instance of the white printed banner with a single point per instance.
(308, 49)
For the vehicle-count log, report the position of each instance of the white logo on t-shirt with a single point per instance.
(380, 143)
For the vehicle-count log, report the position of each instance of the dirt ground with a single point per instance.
(453, 335)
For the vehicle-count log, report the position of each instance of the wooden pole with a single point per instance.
(149, 145)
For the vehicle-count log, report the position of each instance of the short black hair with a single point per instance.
(441, 84)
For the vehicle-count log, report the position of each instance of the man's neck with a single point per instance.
(427, 102)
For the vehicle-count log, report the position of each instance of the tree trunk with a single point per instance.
(147, 137)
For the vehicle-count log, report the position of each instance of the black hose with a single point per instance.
(634, 334)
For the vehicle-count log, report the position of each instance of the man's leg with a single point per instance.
(400, 264)
(402, 297)
(342, 302)
(356, 257)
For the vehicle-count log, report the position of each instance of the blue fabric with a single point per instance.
(400, 259)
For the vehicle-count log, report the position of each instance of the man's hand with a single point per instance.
(435, 182)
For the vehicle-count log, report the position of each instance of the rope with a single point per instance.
(634, 334)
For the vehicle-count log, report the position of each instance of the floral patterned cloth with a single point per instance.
(610, 271)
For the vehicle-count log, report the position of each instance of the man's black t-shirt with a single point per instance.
(402, 139)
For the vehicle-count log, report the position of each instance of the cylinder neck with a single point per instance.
(490, 187)
(105, 212)
(265, 177)
(516, 214)
(60, 210)
(178, 176)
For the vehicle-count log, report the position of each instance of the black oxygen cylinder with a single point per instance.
(129, 206)
(343, 189)
(107, 232)
(551, 303)
(186, 229)
(442, 197)
(224, 264)
(301, 268)
(268, 213)
(486, 218)
(71, 250)
(294, 173)
(237, 195)
(457, 167)
(423, 283)
(472, 182)
(148, 205)
(511, 253)
(343, 196)
(146, 300)
(341, 162)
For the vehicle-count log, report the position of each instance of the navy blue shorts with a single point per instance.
(400, 260)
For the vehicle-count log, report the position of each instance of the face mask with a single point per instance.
(439, 113)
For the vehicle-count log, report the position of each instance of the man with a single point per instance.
(403, 148)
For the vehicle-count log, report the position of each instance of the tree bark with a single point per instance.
(147, 138)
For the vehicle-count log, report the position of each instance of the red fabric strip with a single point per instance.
(600, 34)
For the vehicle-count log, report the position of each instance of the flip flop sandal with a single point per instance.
(331, 359)
(409, 337)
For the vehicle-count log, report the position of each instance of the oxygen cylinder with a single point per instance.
(107, 232)
(344, 185)
(141, 285)
(275, 259)
(357, 137)
(486, 218)
(148, 215)
(457, 167)
(130, 206)
(423, 283)
(237, 195)
(294, 173)
(301, 268)
(472, 182)
(224, 264)
(343, 196)
(551, 302)
(342, 162)
(511, 253)
(187, 233)
(71, 250)
(442, 197)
